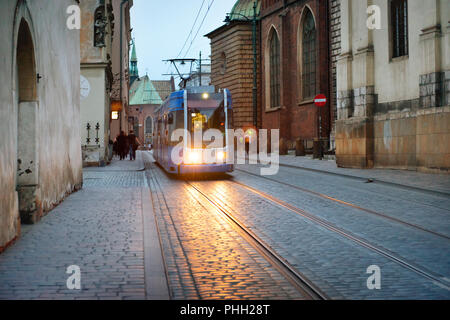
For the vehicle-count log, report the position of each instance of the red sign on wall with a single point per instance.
(320, 100)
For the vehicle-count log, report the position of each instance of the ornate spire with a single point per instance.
(133, 53)
(134, 73)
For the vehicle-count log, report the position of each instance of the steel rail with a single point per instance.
(321, 195)
(388, 183)
(391, 256)
(298, 280)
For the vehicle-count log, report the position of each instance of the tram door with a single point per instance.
(158, 139)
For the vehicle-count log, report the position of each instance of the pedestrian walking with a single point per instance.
(133, 143)
(115, 147)
(122, 145)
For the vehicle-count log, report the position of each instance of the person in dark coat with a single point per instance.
(115, 148)
(122, 145)
(133, 143)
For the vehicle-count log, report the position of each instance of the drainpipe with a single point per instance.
(121, 58)
(255, 86)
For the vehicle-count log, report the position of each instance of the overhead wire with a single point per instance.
(198, 30)
(192, 28)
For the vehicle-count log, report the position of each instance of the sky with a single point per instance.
(162, 27)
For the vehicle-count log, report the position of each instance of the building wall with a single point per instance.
(96, 67)
(48, 126)
(400, 103)
(116, 95)
(232, 68)
(95, 109)
(142, 112)
(296, 117)
(335, 51)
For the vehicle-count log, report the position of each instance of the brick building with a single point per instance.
(145, 96)
(296, 66)
(232, 61)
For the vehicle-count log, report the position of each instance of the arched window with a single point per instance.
(26, 64)
(275, 73)
(149, 125)
(309, 56)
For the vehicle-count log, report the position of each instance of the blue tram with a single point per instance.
(178, 120)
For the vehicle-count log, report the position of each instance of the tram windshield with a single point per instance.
(206, 111)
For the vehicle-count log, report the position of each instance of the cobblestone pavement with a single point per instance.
(205, 257)
(98, 229)
(332, 260)
(101, 230)
(337, 265)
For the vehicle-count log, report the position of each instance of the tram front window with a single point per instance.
(206, 112)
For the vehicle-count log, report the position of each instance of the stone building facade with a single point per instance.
(393, 86)
(232, 62)
(97, 28)
(40, 154)
(295, 62)
(334, 7)
(121, 40)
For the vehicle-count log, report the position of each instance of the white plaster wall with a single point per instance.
(394, 79)
(8, 130)
(94, 106)
(397, 79)
(444, 7)
(57, 54)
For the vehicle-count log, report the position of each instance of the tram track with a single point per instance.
(387, 183)
(351, 205)
(297, 279)
(266, 250)
(436, 278)
(434, 193)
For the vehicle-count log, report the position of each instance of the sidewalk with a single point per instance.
(118, 165)
(107, 229)
(412, 179)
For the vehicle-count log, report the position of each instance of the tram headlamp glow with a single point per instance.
(205, 95)
(221, 156)
(193, 157)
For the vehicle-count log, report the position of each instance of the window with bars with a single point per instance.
(309, 57)
(275, 75)
(399, 28)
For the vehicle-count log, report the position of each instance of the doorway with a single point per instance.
(27, 127)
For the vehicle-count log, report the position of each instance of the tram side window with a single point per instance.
(230, 118)
(178, 123)
(165, 125)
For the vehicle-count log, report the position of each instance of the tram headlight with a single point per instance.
(193, 157)
(221, 155)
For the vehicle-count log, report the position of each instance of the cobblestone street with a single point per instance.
(137, 233)
(98, 229)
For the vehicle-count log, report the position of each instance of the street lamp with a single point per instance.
(255, 88)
